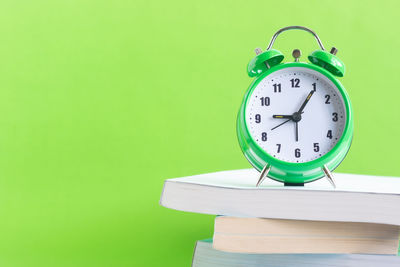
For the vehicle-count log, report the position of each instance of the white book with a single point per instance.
(357, 198)
(206, 256)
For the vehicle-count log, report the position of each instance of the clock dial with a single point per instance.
(296, 114)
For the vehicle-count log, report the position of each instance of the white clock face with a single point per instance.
(272, 114)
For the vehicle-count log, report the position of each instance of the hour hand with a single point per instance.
(282, 116)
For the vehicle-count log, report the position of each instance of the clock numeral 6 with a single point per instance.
(295, 83)
(316, 147)
(265, 101)
(329, 134)
(277, 88)
(335, 116)
(297, 153)
(258, 118)
(264, 136)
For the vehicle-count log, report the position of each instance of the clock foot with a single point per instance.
(329, 175)
(264, 174)
(294, 184)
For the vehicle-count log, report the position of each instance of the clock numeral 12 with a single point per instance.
(295, 83)
(265, 101)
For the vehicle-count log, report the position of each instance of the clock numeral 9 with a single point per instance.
(258, 118)
(264, 136)
(327, 99)
(316, 147)
(279, 148)
(265, 101)
(297, 153)
(295, 83)
(277, 88)
(329, 134)
(335, 116)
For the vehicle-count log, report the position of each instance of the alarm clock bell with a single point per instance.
(272, 57)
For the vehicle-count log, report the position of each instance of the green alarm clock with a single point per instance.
(295, 124)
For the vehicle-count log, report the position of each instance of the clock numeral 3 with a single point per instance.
(335, 116)
(264, 136)
(265, 101)
(316, 147)
(279, 148)
(327, 98)
(329, 134)
(258, 118)
(297, 153)
(295, 83)
(277, 88)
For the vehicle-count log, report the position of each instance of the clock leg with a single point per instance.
(263, 174)
(329, 175)
(293, 184)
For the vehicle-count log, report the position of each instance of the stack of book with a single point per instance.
(356, 224)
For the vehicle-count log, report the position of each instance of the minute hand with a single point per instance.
(306, 101)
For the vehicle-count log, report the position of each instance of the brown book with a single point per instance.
(256, 235)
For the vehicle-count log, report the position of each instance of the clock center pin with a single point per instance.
(296, 117)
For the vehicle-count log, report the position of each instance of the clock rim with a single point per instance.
(294, 172)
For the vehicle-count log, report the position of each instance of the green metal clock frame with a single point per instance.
(289, 172)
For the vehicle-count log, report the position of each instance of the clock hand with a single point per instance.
(281, 124)
(282, 116)
(306, 101)
(296, 117)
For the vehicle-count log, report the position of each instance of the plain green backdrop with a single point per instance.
(100, 101)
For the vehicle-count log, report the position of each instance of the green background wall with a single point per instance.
(100, 101)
